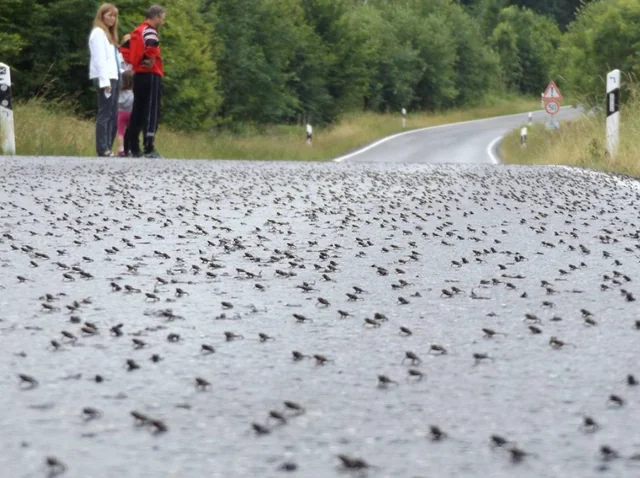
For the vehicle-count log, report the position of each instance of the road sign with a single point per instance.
(552, 92)
(551, 107)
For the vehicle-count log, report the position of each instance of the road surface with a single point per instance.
(133, 294)
(458, 143)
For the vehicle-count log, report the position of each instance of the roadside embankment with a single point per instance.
(43, 130)
(581, 142)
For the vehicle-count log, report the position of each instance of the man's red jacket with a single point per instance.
(144, 44)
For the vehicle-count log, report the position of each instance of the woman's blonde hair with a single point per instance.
(112, 33)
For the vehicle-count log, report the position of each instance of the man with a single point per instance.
(146, 60)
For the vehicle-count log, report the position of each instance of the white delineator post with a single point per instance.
(309, 133)
(523, 137)
(613, 112)
(530, 118)
(7, 132)
(404, 118)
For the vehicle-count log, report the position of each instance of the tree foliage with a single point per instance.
(526, 43)
(562, 12)
(604, 37)
(229, 62)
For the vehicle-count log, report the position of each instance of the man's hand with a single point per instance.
(148, 62)
(107, 89)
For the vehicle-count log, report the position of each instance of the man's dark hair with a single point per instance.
(154, 11)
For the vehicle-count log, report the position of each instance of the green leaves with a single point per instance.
(604, 36)
(293, 61)
(525, 43)
(191, 85)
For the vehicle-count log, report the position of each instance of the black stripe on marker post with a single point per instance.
(5, 91)
(613, 102)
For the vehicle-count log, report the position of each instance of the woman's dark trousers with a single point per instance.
(107, 120)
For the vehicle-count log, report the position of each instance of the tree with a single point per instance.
(229, 62)
(562, 12)
(505, 44)
(49, 44)
(191, 94)
(526, 43)
(193, 98)
(604, 36)
(341, 47)
(393, 68)
(12, 41)
(475, 66)
(259, 43)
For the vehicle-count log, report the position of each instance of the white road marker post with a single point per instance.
(7, 132)
(404, 118)
(523, 137)
(309, 133)
(530, 117)
(613, 112)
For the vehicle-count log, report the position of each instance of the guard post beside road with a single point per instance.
(613, 112)
(309, 133)
(7, 132)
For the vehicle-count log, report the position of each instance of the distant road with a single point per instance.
(460, 143)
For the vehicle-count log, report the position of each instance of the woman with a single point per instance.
(104, 70)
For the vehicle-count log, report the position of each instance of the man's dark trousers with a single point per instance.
(147, 90)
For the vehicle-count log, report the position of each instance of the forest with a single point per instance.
(229, 62)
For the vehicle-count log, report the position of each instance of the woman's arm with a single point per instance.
(98, 45)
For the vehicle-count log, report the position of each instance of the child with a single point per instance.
(125, 49)
(125, 104)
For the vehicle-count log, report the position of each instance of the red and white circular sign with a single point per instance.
(551, 107)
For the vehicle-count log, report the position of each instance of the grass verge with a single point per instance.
(581, 142)
(50, 130)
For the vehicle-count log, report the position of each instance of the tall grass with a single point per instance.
(50, 129)
(582, 142)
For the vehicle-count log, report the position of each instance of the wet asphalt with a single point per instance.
(536, 269)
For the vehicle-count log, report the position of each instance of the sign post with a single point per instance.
(613, 112)
(404, 118)
(7, 132)
(551, 99)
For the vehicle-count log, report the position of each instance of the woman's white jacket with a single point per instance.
(104, 63)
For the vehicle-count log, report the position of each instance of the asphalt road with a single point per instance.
(535, 269)
(459, 143)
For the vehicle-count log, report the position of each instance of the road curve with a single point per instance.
(465, 142)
